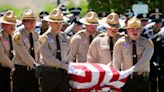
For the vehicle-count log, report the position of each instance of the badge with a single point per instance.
(17, 37)
(42, 40)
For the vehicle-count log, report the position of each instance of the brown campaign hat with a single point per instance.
(90, 18)
(55, 15)
(8, 18)
(28, 14)
(133, 23)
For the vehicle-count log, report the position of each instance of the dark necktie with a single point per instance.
(11, 48)
(134, 52)
(111, 45)
(32, 46)
(90, 39)
(58, 53)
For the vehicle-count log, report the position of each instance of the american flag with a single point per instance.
(94, 76)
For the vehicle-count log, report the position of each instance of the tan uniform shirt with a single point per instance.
(5, 51)
(22, 46)
(79, 45)
(49, 49)
(122, 56)
(99, 50)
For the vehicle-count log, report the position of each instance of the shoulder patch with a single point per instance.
(151, 43)
(42, 40)
(101, 35)
(17, 37)
(0, 38)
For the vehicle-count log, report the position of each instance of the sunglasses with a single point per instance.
(29, 21)
(115, 25)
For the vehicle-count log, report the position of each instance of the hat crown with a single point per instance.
(28, 14)
(56, 14)
(9, 17)
(91, 17)
(134, 23)
(112, 18)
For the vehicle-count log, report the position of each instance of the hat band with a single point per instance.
(114, 25)
(56, 19)
(92, 22)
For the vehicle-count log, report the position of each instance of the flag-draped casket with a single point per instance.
(94, 76)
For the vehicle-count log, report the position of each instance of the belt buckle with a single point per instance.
(29, 68)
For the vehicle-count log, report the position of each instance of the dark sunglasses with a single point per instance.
(115, 25)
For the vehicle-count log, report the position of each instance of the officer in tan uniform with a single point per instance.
(6, 50)
(54, 76)
(101, 48)
(26, 45)
(134, 50)
(80, 42)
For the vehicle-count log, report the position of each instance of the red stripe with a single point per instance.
(123, 80)
(101, 77)
(86, 78)
(115, 74)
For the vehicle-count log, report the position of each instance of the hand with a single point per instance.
(64, 66)
(36, 64)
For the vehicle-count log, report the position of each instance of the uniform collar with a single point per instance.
(88, 34)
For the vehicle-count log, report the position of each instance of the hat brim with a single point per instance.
(103, 23)
(83, 20)
(132, 27)
(47, 18)
(28, 18)
(6, 22)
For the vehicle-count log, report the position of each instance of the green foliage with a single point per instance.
(48, 7)
(17, 11)
(83, 5)
(121, 5)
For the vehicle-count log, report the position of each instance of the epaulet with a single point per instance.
(143, 38)
(0, 35)
(122, 39)
(151, 43)
(122, 33)
(0, 39)
(17, 37)
(42, 39)
(101, 35)
(81, 32)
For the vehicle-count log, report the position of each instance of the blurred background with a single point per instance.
(100, 6)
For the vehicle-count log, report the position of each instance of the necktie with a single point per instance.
(58, 53)
(134, 52)
(32, 46)
(90, 39)
(111, 45)
(11, 48)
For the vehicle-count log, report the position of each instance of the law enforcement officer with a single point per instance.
(6, 46)
(26, 45)
(54, 76)
(144, 19)
(80, 42)
(157, 61)
(75, 26)
(101, 48)
(136, 50)
(44, 24)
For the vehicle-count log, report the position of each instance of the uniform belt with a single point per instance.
(143, 77)
(53, 69)
(21, 67)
